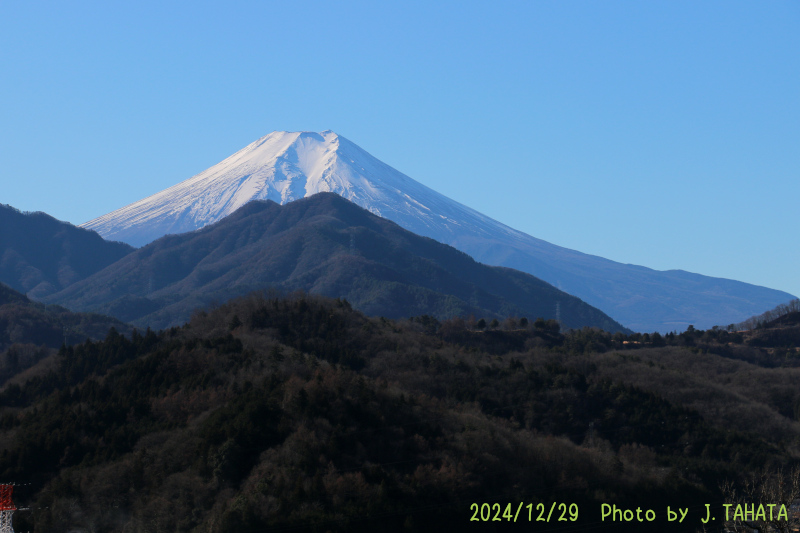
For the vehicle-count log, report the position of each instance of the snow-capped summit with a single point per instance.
(286, 166)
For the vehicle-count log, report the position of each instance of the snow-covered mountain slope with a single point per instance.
(286, 166)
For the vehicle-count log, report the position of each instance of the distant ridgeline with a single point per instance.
(40, 255)
(322, 244)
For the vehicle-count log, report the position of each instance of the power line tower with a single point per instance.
(7, 508)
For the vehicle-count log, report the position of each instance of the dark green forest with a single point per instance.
(299, 413)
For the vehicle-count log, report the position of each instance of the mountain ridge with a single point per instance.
(40, 255)
(284, 167)
(326, 245)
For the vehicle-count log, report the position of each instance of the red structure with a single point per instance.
(7, 508)
(6, 503)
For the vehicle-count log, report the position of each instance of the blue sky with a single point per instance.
(660, 133)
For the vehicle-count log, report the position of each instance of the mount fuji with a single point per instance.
(286, 166)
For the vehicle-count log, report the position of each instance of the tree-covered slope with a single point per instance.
(325, 245)
(31, 331)
(300, 414)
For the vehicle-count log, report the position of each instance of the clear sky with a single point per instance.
(659, 133)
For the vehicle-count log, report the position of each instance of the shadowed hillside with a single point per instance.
(30, 332)
(40, 255)
(325, 245)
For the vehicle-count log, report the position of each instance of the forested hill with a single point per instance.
(778, 329)
(301, 414)
(24, 321)
(30, 331)
(326, 245)
(40, 255)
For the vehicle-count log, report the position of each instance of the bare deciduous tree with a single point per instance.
(770, 489)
